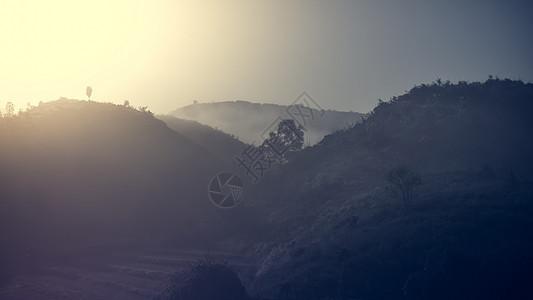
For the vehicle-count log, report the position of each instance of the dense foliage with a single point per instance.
(206, 279)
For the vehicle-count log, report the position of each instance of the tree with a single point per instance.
(89, 92)
(403, 182)
(145, 109)
(286, 137)
(10, 110)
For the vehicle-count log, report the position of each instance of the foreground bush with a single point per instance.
(204, 280)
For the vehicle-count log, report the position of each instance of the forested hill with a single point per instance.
(438, 127)
(82, 173)
(336, 220)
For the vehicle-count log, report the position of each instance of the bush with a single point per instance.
(403, 182)
(204, 280)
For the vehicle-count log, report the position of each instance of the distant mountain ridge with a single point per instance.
(247, 121)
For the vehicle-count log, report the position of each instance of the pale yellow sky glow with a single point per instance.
(166, 54)
(56, 48)
(135, 50)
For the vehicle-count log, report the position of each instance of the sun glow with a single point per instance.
(168, 53)
(51, 46)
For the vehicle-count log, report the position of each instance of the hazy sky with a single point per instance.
(166, 54)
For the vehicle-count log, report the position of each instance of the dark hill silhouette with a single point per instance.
(247, 120)
(337, 233)
(432, 128)
(449, 127)
(78, 174)
(219, 142)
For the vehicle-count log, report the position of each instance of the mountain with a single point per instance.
(218, 142)
(248, 121)
(337, 232)
(79, 174)
(324, 224)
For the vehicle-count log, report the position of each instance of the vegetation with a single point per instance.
(206, 279)
(438, 251)
(403, 182)
(328, 228)
(286, 138)
(65, 103)
(89, 92)
(254, 118)
(9, 111)
(336, 233)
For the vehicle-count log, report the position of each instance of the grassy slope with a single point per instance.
(218, 142)
(78, 173)
(337, 233)
(465, 237)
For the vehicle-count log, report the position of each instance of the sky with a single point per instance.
(166, 54)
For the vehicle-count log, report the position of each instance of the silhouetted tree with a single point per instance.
(286, 137)
(10, 110)
(403, 182)
(126, 103)
(89, 92)
(145, 109)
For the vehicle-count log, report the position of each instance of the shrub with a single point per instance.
(403, 182)
(204, 280)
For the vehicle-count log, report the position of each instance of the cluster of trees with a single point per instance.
(287, 137)
(143, 109)
(9, 110)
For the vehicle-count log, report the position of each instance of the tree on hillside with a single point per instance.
(145, 109)
(403, 182)
(286, 137)
(89, 92)
(10, 110)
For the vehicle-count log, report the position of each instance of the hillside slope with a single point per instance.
(336, 231)
(78, 174)
(218, 142)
